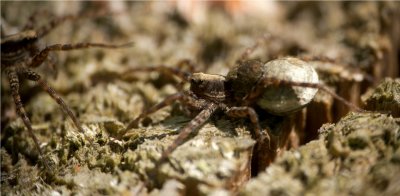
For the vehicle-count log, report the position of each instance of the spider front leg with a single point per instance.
(44, 30)
(32, 20)
(31, 75)
(266, 149)
(185, 98)
(51, 64)
(166, 102)
(191, 66)
(42, 55)
(14, 87)
(241, 112)
(248, 51)
(178, 71)
(185, 132)
(183, 75)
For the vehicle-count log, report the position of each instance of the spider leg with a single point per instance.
(14, 86)
(51, 63)
(32, 20)
(177, 71)
(345, 67)
(166, 102)
(276, 82)
(185, 132)
(31, 75)
(190, 65)
(44, 30)
(251, 49)
(185, 98)
(42, 55)
(241, 112)
(161, 68)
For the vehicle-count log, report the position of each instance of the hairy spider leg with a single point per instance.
(186, 98)
(242, 112)
(46, 29)
(183, 75)
(176, 71)
(185, 132)
(251, 49)
(14, 85)
(34, 49)
(32, 20)
(31, 75)
(166, 102)
(207, 109)
(264, 82)
(51, 63)
(42, 55)
(264, 143)
(189, 64)
(323, 59)
(56, 21)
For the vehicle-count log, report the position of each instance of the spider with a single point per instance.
(20, 53)
(280, 87)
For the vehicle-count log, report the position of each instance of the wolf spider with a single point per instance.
(274, 86)
(20, 53)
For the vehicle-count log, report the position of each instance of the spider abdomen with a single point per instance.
(284, 99)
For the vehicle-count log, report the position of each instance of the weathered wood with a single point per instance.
(357, 155)
(360, 149)
(384, 98)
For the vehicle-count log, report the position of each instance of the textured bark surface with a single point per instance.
(385, 97)
(352, 45)
(358, 155)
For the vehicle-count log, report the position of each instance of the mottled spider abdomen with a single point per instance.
(281, 100)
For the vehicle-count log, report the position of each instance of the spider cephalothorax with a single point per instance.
(208, 86)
